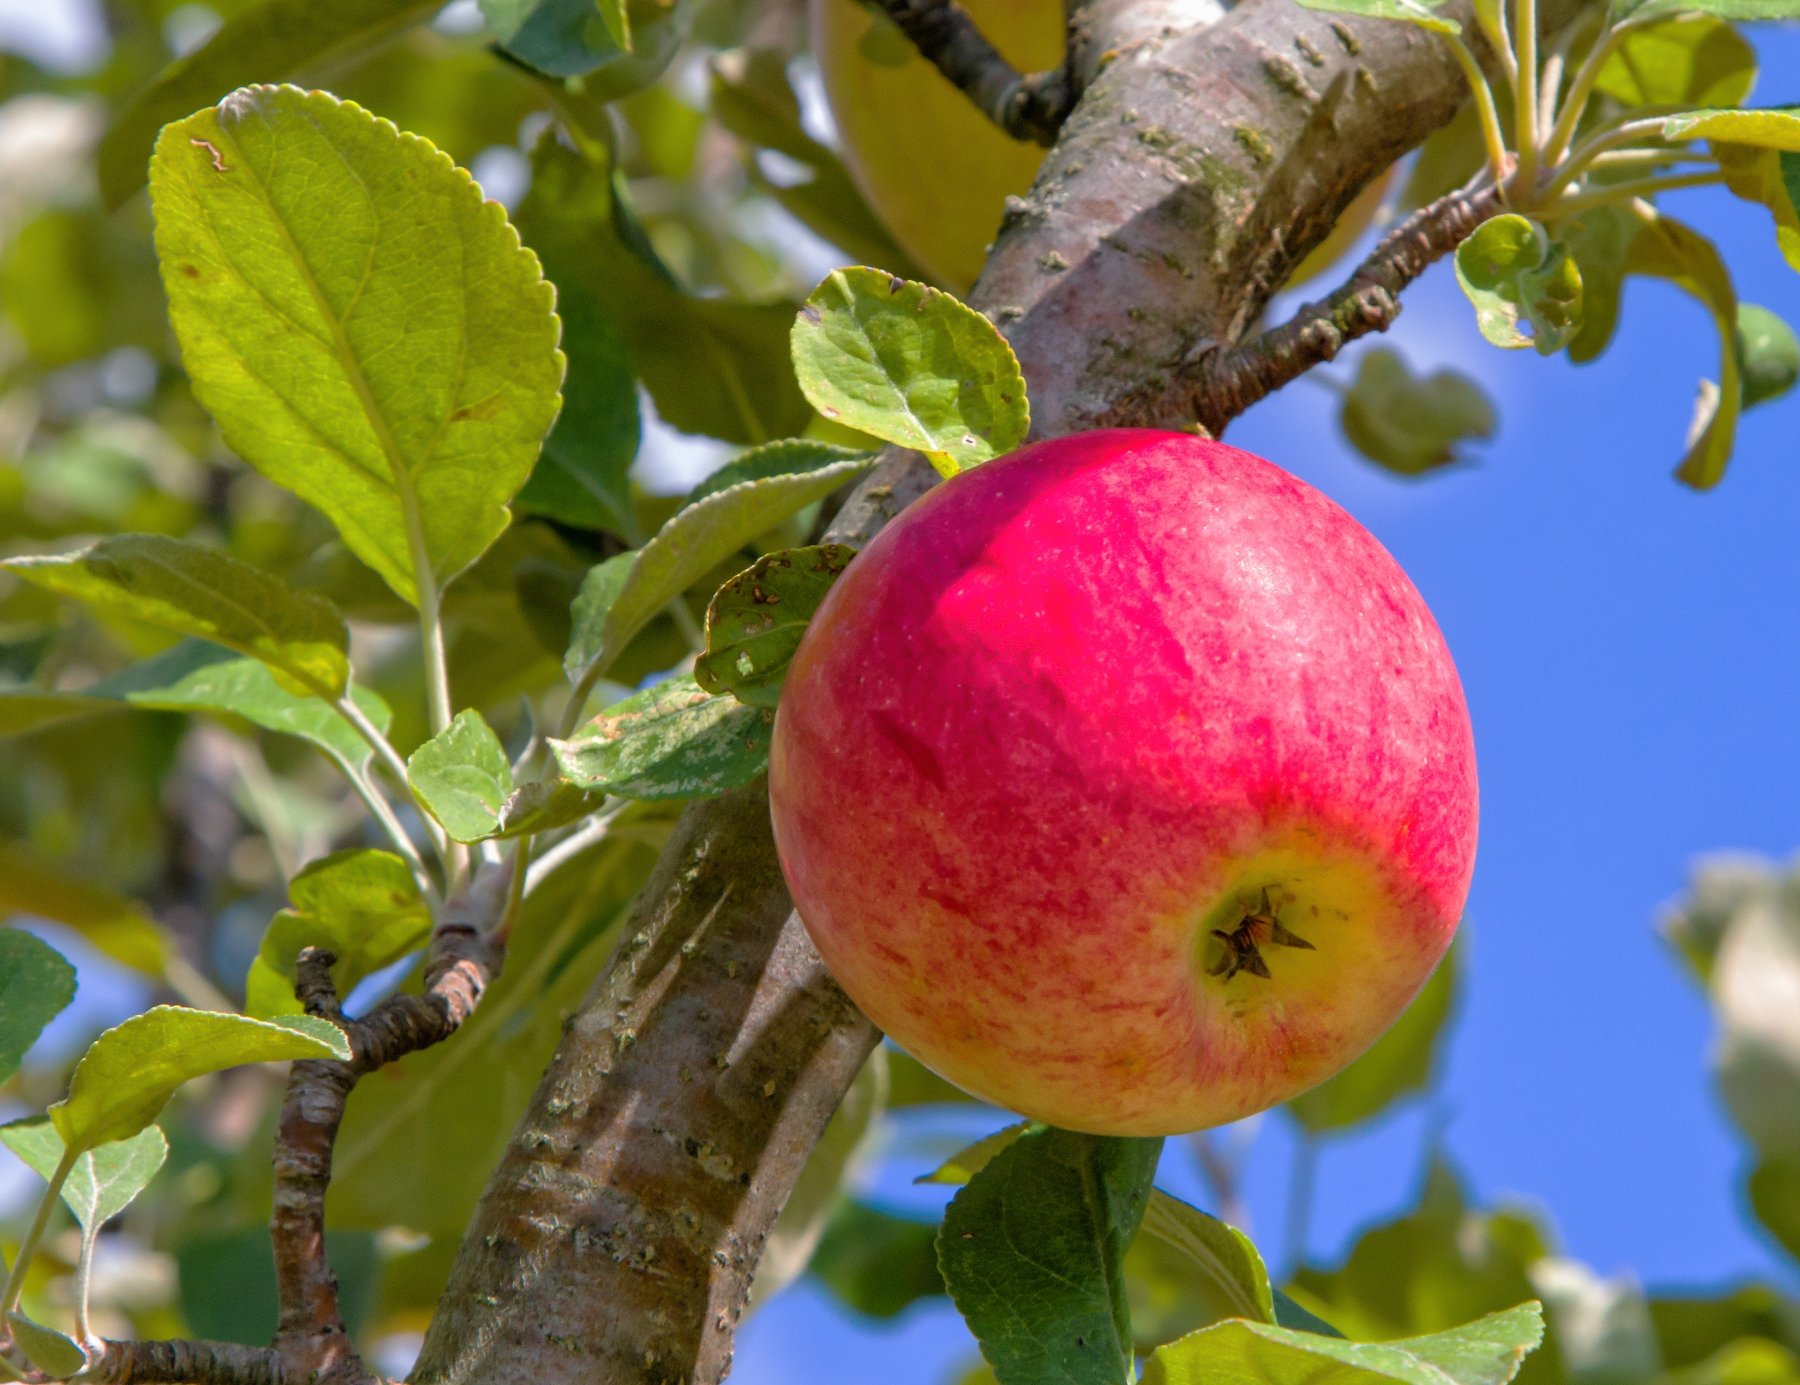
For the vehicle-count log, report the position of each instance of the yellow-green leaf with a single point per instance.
(366, 329)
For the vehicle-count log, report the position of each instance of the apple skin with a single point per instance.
(934, 169)
(1078, 708)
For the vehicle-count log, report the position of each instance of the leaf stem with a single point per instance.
(1608, 137)
(1575, 104)
(515, 893)
(1525, 107)
(84, 1275)
(437, 685)
(390, 759)
(1491, 133)
(1492, 19)
(591, 833)
(15, 1282)
(380, 810)
(1611, 194)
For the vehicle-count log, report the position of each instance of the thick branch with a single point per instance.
(1028, 106)
(1230, 380)
(187, 1363)
(616, 1241)
(310, 1340)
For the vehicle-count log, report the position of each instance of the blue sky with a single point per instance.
(1631, 653)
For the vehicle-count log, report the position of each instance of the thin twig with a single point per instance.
(1230, 380)
(1028, 106)
(310, 1337)
(1616, 194)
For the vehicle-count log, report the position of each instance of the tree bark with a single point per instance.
(617, 1240)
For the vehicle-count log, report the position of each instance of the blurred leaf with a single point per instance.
(1032, 1250)
(1603, 1329)
(911, 365)
(266, 42)
(756, 620)
(110, 923)
(132, 1070)
(617, 21)
(1685, 60)
(1768, 354)
(1756, 991)
(1399, 1063)
(195, 676)
(712, 365)
(1231, 1273)
(24, 710)
(360, 904)
(1487, 1352)
(52, 1353)
(914, 1084)
(102, 1182)
(1746, 1362)
(960, 1167)
(1420, 12)
(1771, 179)
(673, 740)
(1775, 1199)
(36, 985)
(849, 1137)
(752, 98)
(1692, 1329)
(1408, 423)
(1666, 249)
(1638, 10)
(387, 351)
(461, 777)
(1760, 129)
(196, 590)
(1512, 271)
(875, 1263)
(228, 1282)
(417, 1148)
(612, 608)
(574, 38)
(1450, 156)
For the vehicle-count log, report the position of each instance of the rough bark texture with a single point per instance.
(617, 1240)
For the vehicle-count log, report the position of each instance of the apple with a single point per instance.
(931, 166)
(1126, 781)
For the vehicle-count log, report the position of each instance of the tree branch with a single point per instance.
(1028, 106)
(1230, 380)
(186, 1363)
(310, 1340)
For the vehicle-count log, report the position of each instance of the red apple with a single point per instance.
(1126, 781)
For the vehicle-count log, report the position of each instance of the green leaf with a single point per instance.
(617, 601)
(582, 475)
(545, 804)
(1773, 128)
(1411, 424)
(36, 985)
(102, 1182)
(24, 710)
(752, 98)
(195, 676)
(784, 457)
(712, 365)
(1400, 1062)
(1768, 354)
(55, 1355)
(755, 621)
(461, 777)
(1228, 1263)
(1749, 10)
(1666, 249)
(1774, 1190)
(960, 1167)
(1599, 240)
(361, 905)
(574, 38)
(617, 21)
(109, 922)
(364, 327)
(1417, 12)
(672, 740)
(1685, 60)
(911, 365)
(132, 1070)
(272, 41)
(196, 590)
(875, 1263)
(1032, 1252)
(1487, 1352)
(1512, 271)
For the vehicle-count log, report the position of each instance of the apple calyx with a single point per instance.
(1243, 944)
